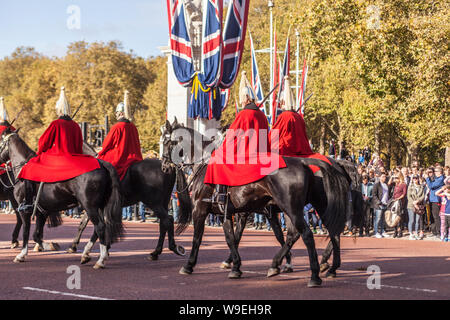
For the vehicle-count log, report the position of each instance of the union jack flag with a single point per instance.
(180, 42)
(212, 43)
(233, 40)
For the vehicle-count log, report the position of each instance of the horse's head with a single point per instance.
(170, 139)
(4, 144)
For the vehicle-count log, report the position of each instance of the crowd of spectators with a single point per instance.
(420, 194)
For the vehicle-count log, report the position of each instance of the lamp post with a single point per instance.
(271, 4)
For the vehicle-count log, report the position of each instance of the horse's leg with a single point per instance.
(241, 221)
(291, 238)
(85, 257)
(26, 220)
(83, 224)
(177, 249)
(231, 242)
(199, 216)
(15, 235)
(324, 266)
(336, 257)
(166, 224)
(295, 213)
(100, 230)
(163, 228)
(39, 232)
(278, 232)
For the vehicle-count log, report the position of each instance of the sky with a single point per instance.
(50, 25)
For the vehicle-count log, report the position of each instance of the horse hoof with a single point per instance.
(234, 275)
(85, 259)
(273, 272)
(324, 267)
(314, 283)
(99, 266)
(185, 271)
(53, 246)
(19, 260)
(179, 250)
(38, 248)
(72, 250)
(330, 274)
(225, 265)
(287, 269)
(14, 245)
(153, 256)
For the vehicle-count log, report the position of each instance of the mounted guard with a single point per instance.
(60, 156)
(121, 146)
(292, 138)
(240, 160)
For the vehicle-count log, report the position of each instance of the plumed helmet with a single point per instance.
(124, 106)
(287, 99)
(62, 106)
(245, 89)
(3, 113)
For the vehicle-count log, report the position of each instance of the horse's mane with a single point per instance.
(22, 145)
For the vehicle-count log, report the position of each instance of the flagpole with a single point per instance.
(271, 5)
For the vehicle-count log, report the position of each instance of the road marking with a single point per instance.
(66, 294)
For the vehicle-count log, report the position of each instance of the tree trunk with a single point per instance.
(447, 156)
(323, 132)
(378, 140)
(412, 154)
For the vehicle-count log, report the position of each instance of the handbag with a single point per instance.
(419, 209)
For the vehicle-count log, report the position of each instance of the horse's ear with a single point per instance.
(168, 126)
(175, 122)
(17, 130)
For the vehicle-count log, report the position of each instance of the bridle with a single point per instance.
(4, 145)
(168, 162)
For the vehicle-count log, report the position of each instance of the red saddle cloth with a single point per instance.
(292, 140)
(121, 147)
(240, 160)
(60, 154)
(2, 129)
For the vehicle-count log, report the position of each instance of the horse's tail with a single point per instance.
(112, 210)
(336, 187)
(54, 219)
(185, 216)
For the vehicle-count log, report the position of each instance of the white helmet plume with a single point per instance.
(245, 89)
(3, 112)
(288, 101)
(124, 106)
(62, 106)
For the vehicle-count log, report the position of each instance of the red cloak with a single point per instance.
(293, 141)
(60, 154)
(3, 127)
(121, 147)
(247, 161)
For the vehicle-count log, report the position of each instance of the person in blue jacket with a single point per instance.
(435, 181)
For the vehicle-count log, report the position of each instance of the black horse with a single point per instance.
(97, 191)
(320, 203)
(145, 182)
(286, 189)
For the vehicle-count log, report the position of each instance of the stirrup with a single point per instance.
(25, 208)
